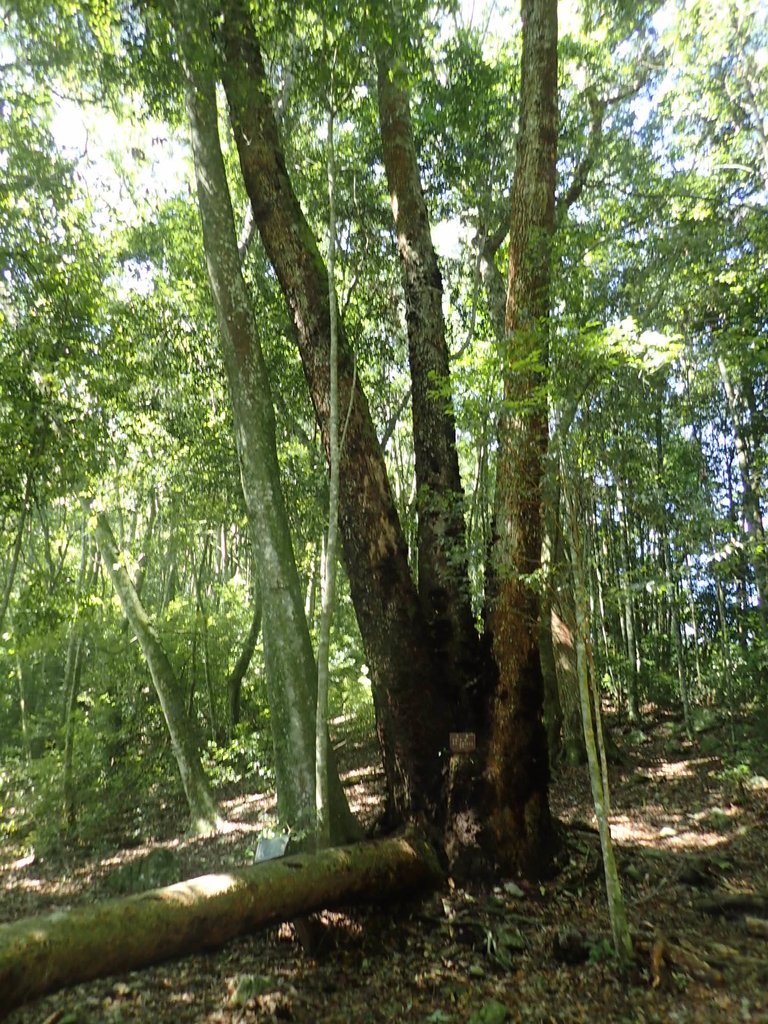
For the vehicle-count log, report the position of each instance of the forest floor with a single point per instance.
(691, 831)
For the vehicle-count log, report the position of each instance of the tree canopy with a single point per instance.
(550, 273)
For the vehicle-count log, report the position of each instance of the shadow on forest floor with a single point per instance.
(691, 830)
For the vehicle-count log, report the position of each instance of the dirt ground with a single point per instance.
(690, 837)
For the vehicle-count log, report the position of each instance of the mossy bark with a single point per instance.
(288, 655)
(442, 551)
(519, 824)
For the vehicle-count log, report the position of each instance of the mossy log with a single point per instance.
(45, 953)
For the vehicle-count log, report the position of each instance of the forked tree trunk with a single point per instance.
(42, 954)
(508, 776)
(412, 719)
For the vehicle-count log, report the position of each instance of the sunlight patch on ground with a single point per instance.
(676, 834)
(670, 770)
(237, 827)
(367, 774)
(245, 809)
(47, 887)
(685, 769)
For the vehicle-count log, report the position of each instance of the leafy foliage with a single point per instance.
(111, 382)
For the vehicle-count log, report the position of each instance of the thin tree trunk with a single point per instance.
(289, 659)
(234, 682)
(202, 617)
(633, 712)
(602, 616)
(493, 280)
(315, 569)
(202, 806)
(725, 643)
(694, 625)
(594, 742)
(171, 574)
(11, 575)
(72, 667)
(668, 568)
(143, 560)
(329, 562)
(26, 740)
(753, 518)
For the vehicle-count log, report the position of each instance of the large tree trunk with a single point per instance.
(442, 550)
(413, 719)
(520, 831)
(42, 954)
(288, 656)
(202, 806)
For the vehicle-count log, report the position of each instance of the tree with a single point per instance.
(517, 758)
(442, 555)
(375, 556)
(290, 663)
(653, 363)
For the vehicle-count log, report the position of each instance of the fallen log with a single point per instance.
(734, 904)
(42, 954)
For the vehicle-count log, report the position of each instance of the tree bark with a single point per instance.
(42, 954)
(328, 574)
(442, 550)
(750, 480)
(562, 714)
(632, 649)
(202, 806)
(519, 822)
(563, 626)
(288, 655)
(412, 720)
